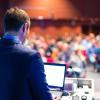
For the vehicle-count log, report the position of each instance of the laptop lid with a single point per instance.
(55, 75)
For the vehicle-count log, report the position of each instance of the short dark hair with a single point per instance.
(14, 18)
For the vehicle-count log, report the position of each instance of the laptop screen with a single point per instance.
(55, 74)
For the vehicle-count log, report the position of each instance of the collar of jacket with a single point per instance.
(12, 38)
(9, 40)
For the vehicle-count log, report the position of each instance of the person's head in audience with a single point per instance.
(17, 23)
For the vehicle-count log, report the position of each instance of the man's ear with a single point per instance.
(25, 27)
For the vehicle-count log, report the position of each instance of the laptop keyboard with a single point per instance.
(56, 94)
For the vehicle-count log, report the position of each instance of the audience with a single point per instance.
(63, 49)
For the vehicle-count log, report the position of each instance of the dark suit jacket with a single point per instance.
(21, 73)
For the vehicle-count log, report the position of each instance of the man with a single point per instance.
(21, 69)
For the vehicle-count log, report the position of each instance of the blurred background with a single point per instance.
(64, 31)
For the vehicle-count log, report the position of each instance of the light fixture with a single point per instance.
(40, 17)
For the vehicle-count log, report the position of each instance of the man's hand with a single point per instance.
(56, 98)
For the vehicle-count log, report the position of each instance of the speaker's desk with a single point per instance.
(79, 89)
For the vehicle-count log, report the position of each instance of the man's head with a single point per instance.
(16, 22)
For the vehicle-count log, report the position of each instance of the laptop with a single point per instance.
(55, 76)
